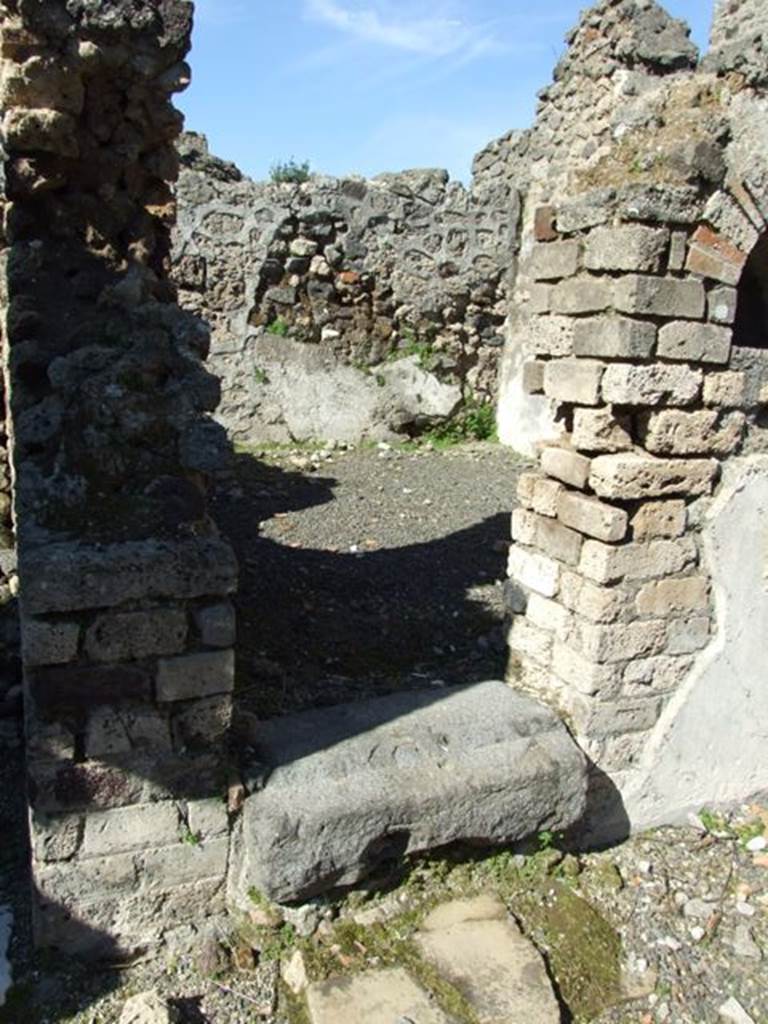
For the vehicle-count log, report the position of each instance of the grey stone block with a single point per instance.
(131, 635)
(573, 380)
(660, 296)
(626, 247)
(685, 636)
(69, 576)
(81, 879)
(554, 260)
(652, 384)
(584, 294)
(540, 298)
(112, 731)
(613, 337)
(704, 343)
(196, 675)
(184, 863)
(208, 817)
(678, 250)
(550, 336)
(721, 305)
(216, 624)
(357, 784)
(130, 828)
(533, 377)
(202, 723)
(49, 643)
(663, 204)
(587, 211)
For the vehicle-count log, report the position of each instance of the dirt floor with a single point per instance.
(368, 570)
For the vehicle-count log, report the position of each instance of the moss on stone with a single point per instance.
(583, 951)
(355, 948)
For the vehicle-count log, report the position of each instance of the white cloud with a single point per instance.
(434, 36)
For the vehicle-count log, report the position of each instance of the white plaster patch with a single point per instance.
(6, 926)
(523, 420)
(709, 747)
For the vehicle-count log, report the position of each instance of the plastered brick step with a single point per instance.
(358, 784)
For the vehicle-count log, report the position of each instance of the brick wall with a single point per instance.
(634, 252)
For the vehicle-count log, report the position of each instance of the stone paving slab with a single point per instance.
(377, 997)
(479, 949)
(362, 783)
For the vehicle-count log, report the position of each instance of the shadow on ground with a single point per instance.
(319, 627)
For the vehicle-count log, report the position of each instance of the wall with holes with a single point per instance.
(347, 309)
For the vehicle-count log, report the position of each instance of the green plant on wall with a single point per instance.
(415, 343)
(260, 376)
(475, 421)
(279, 326)
(289, 172)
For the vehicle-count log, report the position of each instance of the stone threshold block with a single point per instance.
(359, 784)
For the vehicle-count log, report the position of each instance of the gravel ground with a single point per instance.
(368, 570)
(692, 911)
(388, 565)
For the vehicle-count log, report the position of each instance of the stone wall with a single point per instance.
(346, 309)
(10, 676)
(637, 340)
(636, 266)
(127, 631)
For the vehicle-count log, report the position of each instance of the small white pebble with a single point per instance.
(733, 1011)
(669, 943)
(757, 844)
(697, 933)
(645, 867)
(745, 909)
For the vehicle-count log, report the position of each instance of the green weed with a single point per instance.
(475, 421)
(749, 830)
(289, 172)
(279, 326)
(715, 823)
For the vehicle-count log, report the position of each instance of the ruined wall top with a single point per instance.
(106, 373)
(167, 21)
(626, 33)
(621, 55)
(739, 40)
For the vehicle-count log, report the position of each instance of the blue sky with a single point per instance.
(363, 86)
